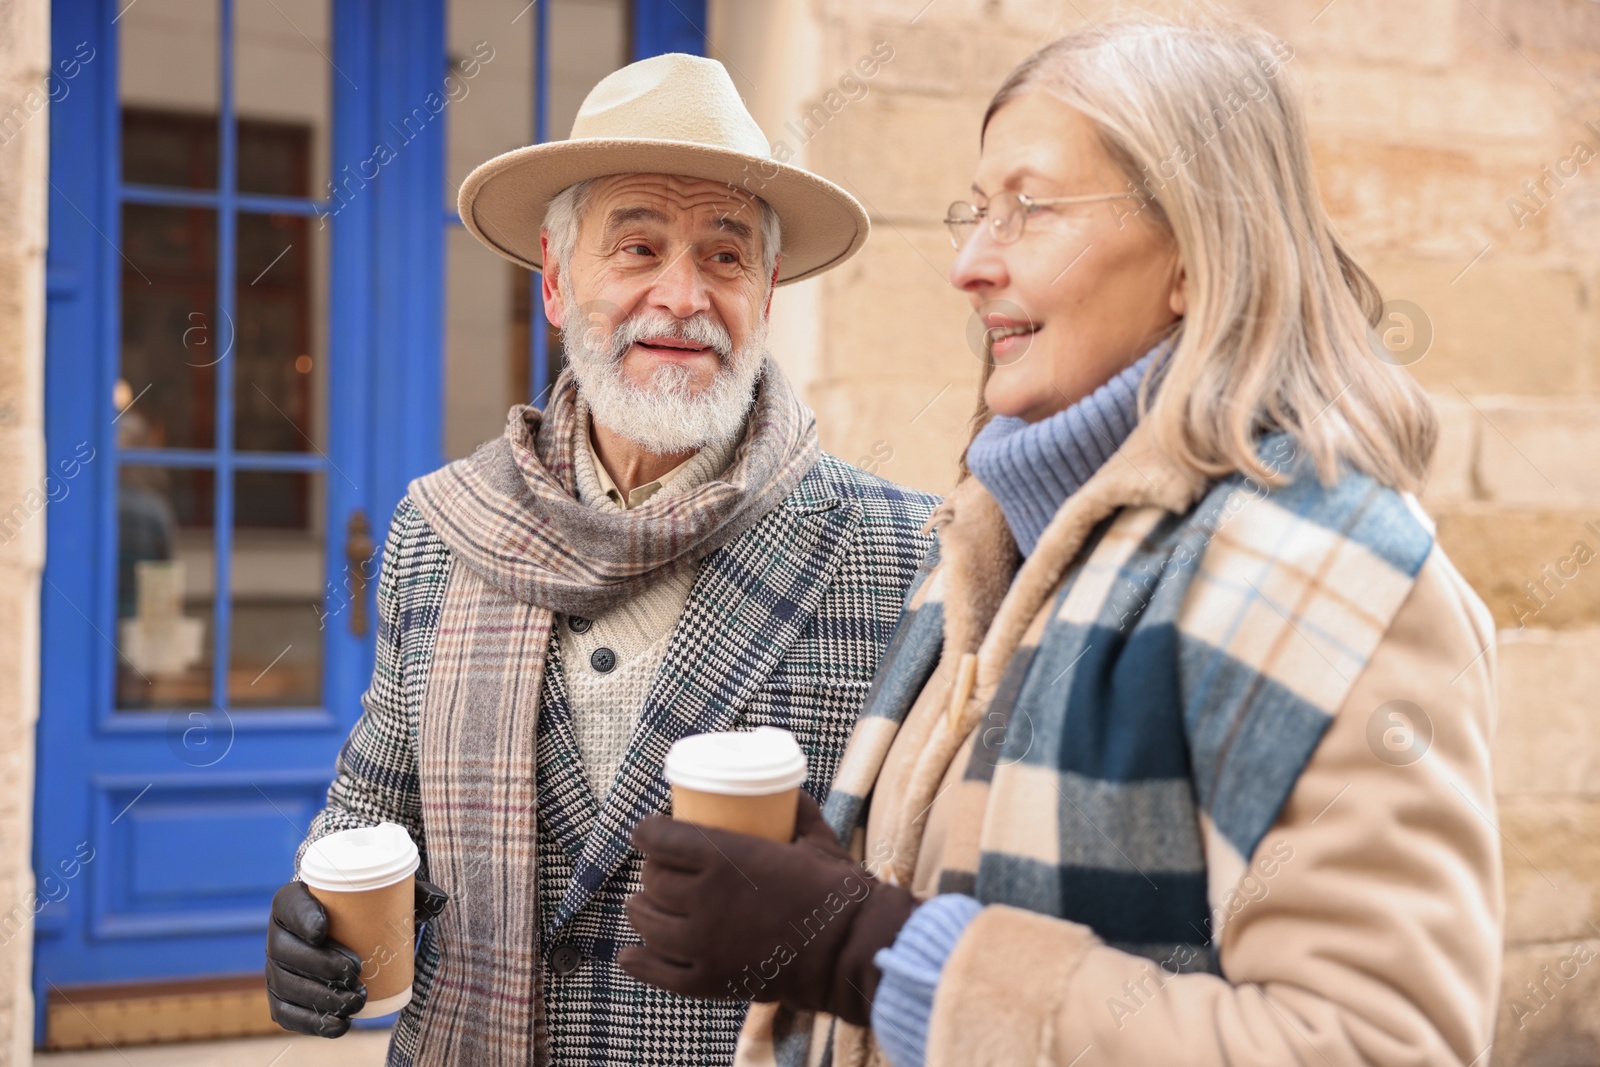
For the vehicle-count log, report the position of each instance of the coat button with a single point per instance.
(565, 958)
(578, 624)
(603, 660)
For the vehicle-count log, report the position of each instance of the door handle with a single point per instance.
(358, 549)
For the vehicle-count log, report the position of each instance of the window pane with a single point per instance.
(588, 40)
(168, 65)
(169, 148)
(278, 590)
(489, 78)
(281, 311)
(164, 589)
(283, 85)
(486, 356)
(486, 361)
(171, 342)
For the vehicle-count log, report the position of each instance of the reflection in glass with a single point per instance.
(278, 591)
(170, 148)
(486, 357)
(491, 63)
(588, 40)
(168, 75)
(171, 342)
(281, 311)
(164, 591)
(283, 76)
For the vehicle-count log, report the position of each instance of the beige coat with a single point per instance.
(1366, 927)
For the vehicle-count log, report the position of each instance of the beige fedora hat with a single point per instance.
(670, 114)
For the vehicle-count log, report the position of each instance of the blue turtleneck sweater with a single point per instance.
(1030, 468)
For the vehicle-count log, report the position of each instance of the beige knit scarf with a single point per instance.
(510, 511)
(527, 549)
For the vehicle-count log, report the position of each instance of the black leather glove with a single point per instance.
(729, 915)
(313, 982)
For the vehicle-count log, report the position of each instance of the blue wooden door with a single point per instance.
(247, 344)
(225, 443)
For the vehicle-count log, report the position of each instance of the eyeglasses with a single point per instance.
(1007, 214)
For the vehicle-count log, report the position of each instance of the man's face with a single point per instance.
(664, 302)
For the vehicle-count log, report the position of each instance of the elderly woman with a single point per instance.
(1180, 753)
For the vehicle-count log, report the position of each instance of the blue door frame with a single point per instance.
(122, 806)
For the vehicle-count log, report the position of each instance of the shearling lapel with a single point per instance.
(752, 598)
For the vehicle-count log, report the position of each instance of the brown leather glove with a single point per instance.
(729, 915)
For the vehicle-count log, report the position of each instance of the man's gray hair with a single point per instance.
(561, 219)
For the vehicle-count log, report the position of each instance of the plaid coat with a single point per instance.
(784, 626)
(1161, 753)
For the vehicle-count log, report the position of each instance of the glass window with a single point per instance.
(168, 65)
(171, 340)
(172, 148)
(277, 589)
(280, 314)
(164, 586)
(195, 344)
(283, 87)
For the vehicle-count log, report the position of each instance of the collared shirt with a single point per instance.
(640, 493)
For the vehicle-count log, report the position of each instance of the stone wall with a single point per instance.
(1428, 118)
(24, 60)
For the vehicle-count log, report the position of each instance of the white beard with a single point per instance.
(665, 416)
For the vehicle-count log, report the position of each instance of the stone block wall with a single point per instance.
(1447, 136)
(24, 61)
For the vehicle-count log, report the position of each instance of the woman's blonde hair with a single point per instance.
(1276, 333)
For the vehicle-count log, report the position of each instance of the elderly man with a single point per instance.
(663, 550)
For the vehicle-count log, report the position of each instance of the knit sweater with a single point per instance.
(606, 703)
(903, 1007)
(1031, 468)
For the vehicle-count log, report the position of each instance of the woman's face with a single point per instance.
(1094, 285)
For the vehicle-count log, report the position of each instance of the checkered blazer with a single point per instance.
(784, 626)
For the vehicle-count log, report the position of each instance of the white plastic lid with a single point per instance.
(369, 857)
(742, 763)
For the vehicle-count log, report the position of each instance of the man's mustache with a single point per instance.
(699, 328)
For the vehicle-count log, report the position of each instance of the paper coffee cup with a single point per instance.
(748, 781)
(365, 880)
